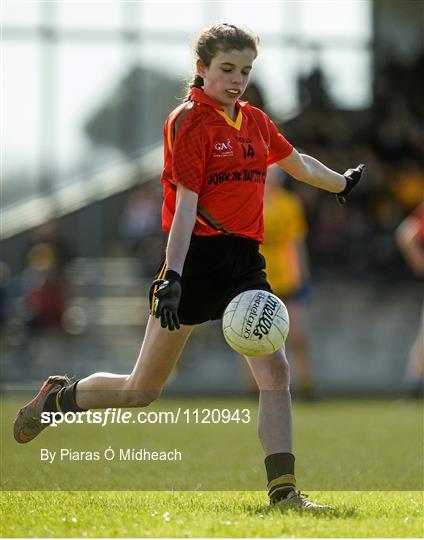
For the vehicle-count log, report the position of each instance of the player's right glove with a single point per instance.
(352, 177)
(167, 299)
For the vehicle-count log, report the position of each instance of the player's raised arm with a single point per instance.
(167, 291)
(311, 171)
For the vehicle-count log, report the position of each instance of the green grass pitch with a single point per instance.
(362, 457)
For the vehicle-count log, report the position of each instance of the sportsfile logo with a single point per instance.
(223, 149)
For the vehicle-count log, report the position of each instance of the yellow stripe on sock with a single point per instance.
(283, 479)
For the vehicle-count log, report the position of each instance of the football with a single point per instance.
(255, 323)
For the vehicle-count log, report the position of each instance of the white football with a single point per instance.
(255, 323)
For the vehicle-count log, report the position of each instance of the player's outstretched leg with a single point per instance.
(272, 376)
(159, 353)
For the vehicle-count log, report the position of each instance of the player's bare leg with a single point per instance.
(159, 353)
(272, 376)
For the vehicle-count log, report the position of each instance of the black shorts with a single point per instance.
(216, 269)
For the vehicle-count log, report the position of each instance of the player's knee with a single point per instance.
(280, 374)
(146, 397)
(135, 397)
(275, 373)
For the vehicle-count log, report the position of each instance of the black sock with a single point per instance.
(50, 404)
(67, 402)
(280, 473)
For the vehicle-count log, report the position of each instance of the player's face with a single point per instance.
(226, 78)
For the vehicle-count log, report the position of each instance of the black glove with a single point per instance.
(352, 177)
(168, 296)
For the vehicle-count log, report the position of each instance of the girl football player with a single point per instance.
(217, 150)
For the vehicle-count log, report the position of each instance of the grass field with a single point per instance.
(364, 457)
(206, 514)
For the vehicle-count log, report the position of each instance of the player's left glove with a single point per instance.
(352, 177)
(168, 296)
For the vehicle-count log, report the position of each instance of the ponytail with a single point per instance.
(196, 82)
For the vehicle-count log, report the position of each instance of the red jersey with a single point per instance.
(222, 160)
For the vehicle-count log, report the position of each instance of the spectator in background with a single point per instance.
(46, 291)
(284, 249)
(39, 296)
(312, 90)
(410, 239)
(407, 185)
(385, 261)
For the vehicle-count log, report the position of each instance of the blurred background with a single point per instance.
(87, 88)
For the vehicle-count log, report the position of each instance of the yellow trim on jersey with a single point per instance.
(236, 124)
(183, 108)
(169, 137)
(201, 221)
(171, 126)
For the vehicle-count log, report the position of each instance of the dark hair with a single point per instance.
(220, 37)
